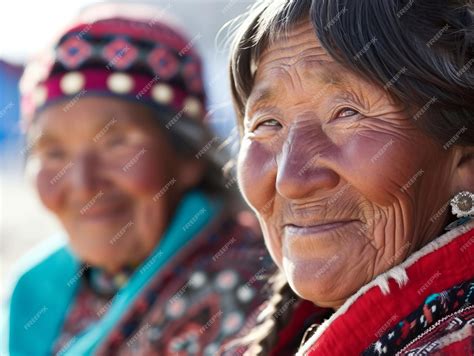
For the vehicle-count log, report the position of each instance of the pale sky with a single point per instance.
(26, 26)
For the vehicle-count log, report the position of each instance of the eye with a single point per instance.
(116, 141)
(269, 123)
(54, 153)
(347, 112)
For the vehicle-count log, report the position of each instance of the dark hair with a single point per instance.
(430, 41)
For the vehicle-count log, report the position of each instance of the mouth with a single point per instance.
(103, 213)
(316, 228)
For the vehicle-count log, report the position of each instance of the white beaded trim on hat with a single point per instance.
(192, 106)
(72, 82)
(120, 83)
(162, 93)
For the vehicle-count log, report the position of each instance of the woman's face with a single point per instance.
(343, 182)
(110, 175)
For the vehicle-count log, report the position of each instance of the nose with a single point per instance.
(303, 168)
(84, 177)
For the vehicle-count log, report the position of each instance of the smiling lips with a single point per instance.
(314, 229)
(102, 212)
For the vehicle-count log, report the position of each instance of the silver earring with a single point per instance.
(462, 205)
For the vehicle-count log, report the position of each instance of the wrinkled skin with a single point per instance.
(98, 167)
(322, 145)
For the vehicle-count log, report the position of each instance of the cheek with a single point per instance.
(144, 182)
(143, 175)
(50, 193)
(256, 174)
(390, 173)
(381, 164)
(272, 241)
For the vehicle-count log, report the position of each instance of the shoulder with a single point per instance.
(38, 297)
(50, 258)
(204, 295)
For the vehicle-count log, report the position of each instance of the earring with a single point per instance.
(462, 205)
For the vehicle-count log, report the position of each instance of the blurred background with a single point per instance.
(28, 27)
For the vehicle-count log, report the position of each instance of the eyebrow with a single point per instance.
(267, 93)
(258, 96)
(40, 140)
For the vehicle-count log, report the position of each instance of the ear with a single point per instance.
(464, 169)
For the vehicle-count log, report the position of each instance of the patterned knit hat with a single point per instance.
(146, 61)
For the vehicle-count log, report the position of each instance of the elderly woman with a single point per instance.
(157, 260)
(357, 134)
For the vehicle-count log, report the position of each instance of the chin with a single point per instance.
(318, 295)
(321, 289)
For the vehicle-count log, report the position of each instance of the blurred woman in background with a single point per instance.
(157, 259)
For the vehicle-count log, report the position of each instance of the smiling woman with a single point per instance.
(345, 109)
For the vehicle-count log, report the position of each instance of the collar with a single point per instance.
(107, 284)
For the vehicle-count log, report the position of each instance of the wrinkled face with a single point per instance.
(99, 166)
(343, 182)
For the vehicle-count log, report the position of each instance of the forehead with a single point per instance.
(297, 47)
(91, 112)
(295, 56)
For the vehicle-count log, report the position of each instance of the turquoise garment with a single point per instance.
(43, 294)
